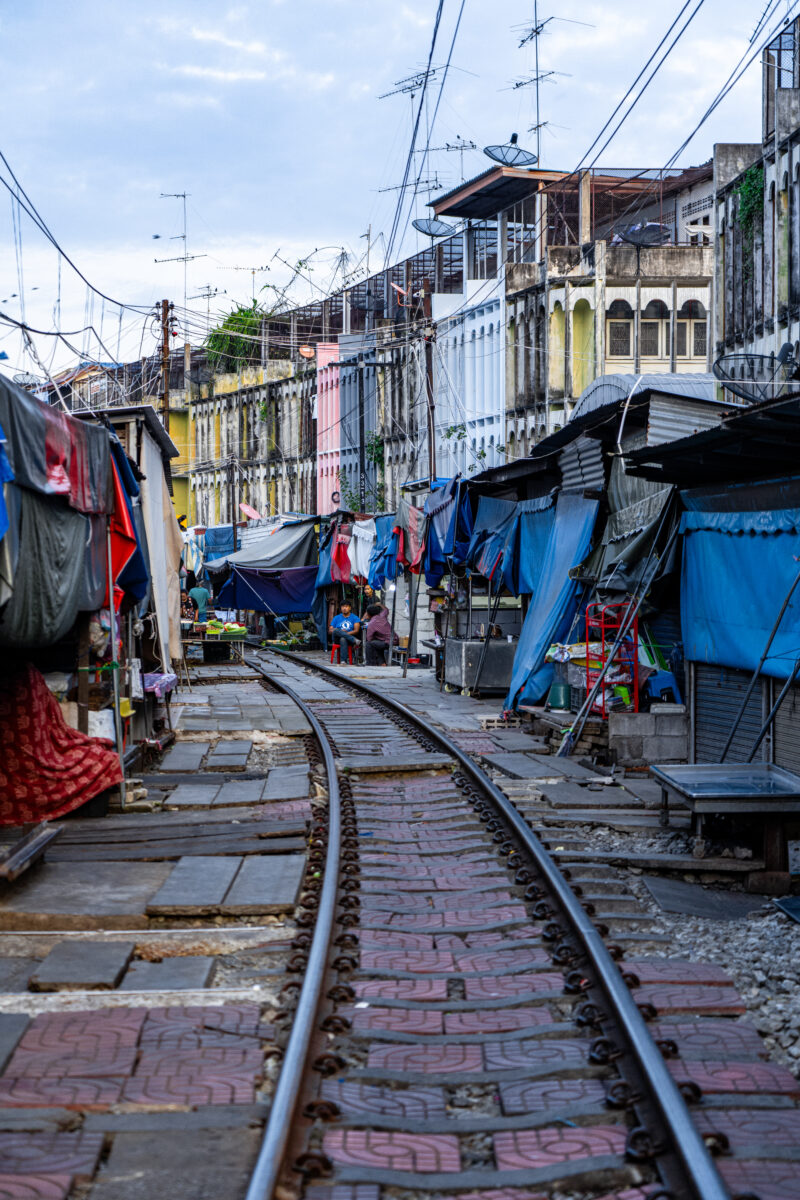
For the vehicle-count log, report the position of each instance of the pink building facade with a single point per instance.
(328, 427)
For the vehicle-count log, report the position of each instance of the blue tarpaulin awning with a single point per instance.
(493, 521)
(280, 592)
(737, 568)
(526, 542)
(555, 600)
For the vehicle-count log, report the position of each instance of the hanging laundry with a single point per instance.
(360, 549)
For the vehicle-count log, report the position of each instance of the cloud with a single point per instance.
(219, 75)
(212, 35)
(188, 100)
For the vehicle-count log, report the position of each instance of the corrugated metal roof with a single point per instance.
(667, 421)
(610, 389)
(581, 465)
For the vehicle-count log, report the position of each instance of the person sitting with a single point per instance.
(345, 628)
(380, 635)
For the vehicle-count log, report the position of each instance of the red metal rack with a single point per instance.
(603, 623)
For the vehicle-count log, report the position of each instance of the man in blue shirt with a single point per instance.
(201, 596)
(346, 629)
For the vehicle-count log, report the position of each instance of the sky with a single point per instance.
(268, 114)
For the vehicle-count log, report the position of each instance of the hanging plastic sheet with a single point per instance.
(292, 545)
(526, 543)
(737, 567)
(410, 528)
(6, 476)
(49, 577)
(9, 547)
(493, 521)
(279, 592)
(55, 454)
(219, 542)
(555, 600)
(340, 553)
(360, 549)
(459, 533)
(383, 561)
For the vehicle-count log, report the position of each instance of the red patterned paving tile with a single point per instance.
(673, 998)
(87, 1059)
(106, 1027)
(34, 1187)
(45, 1153)
(496, 988)
(449, 883)
(767, 1180)
(74, 1092)
(752, 1126)
(450, 941)
(525, 958)
(482, 941)
(497, 1194)
(420, 860)
(739, 1078)
(487, 900)
(532, 1148)
(386, 900)
(430, 1060)
(421, 962)
(401, 989)
(241, 1020)
(418, 1021)
(677, 970)
(218, 1059)
(424, 1152)
(545, 1095)
(497, 1020)
(463, 918)
(383, 938)
(557, 1053)
(414, 1103)
(712, 1040)
(206, 1087)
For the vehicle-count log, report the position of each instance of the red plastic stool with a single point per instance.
(337, 651)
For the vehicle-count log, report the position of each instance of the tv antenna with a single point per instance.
(532, 33)
(186, 257)
(207, 293)
(421, 185)
(457, 147)
(253, 271)
(510, 154)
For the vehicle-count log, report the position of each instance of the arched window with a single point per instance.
(654, 330)
(691, 330)
(619, 329)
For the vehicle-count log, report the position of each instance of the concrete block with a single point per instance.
(665, 748)
(631, 724)
(627, 749)
(671, 724)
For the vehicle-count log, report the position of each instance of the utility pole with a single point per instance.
(362, 455)
(429, 334)
(165, 307)
(232, 494)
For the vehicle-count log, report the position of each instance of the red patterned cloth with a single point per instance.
(46, 768)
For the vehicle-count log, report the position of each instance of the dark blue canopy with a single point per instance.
(280, 592)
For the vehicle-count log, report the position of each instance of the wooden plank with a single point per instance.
(28, 850)
(167, 832)
(190, 847)
(266, 885)
(196, 885)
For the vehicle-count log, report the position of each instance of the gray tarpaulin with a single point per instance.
(635, 509)
(49, 579)
(289, 546)
(95, 564)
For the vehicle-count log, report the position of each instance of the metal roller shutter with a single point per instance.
(786, 730)
(718, 692)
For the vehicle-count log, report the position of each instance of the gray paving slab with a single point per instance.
(83, 895)
(245, 791)
(15, 973)
(286, 783)
(197, 884)
(171, 974)
(694, 900)
(186, 756)
(203, 1164)
(525, 766)
(231, 762)
(12, 1027)
(232, 746)
(514, 739)
(193, 795)
(82, 966)
(266, 885)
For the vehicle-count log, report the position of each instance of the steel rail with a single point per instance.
(284, 1101)
(686, 1142)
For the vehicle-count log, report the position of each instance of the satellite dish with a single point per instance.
(26, 381)
(432, 227)
(646, 233)
(511, 155)
(250, 512)
(305, 351)
(759, 377)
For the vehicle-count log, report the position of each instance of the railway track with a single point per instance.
(465, 1022)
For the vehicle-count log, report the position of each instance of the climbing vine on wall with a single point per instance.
(750, 213)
